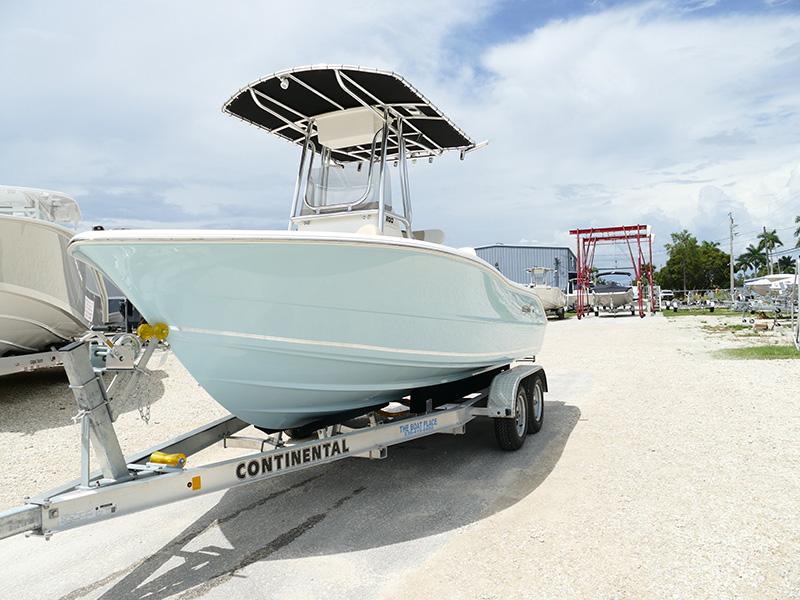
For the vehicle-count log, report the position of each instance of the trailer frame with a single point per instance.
(25, 363)
(127, 485)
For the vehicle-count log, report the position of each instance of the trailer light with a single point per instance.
(177, 459)
(195, 483)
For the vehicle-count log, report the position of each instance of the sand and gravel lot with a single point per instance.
(662, 471)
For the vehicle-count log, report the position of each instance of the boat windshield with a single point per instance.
(345, 186)
(539, 277)
(39, 204)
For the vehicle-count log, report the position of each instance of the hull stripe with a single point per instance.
(328, 344)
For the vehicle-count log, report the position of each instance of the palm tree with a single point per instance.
(769, 240)
(742, 264)
(752, 258)
(785, 264)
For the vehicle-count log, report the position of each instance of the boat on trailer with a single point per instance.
(613, 296)
(350, 307)
(553, 298)
(351, 318)
(47, 298)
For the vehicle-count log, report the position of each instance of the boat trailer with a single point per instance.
(512, 396)
(25, 363)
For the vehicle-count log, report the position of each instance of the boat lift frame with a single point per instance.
(637, 239)
(126, 485)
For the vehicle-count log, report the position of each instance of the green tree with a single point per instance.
(682, 263)
(692, 265)
(752, 259)
(768, 241)
(785, 264)
(714, 267)
(742, 264)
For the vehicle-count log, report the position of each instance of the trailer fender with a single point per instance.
(503, 391)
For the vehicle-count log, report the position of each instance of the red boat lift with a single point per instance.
(635, 238)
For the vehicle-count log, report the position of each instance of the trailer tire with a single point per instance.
(560, 314)
(511, 431)
(535, 405)
(300, 433)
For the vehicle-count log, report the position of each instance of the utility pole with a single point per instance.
(733, 226)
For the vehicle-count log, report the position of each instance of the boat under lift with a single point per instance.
(636, 238)
(513, 396)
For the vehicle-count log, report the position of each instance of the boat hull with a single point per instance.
(612, 300)
(284, 328)
(552, 298)
(41, 292)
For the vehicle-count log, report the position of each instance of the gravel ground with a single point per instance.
(36, 426)
(661, 472)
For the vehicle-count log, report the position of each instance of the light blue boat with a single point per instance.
(350, 307)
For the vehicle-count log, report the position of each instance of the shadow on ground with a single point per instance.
(425, 487)
(31, 402)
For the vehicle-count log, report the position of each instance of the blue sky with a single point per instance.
(598, 113)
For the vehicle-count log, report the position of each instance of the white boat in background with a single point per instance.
(350, 307)
(553, 298)
(46, 297)
(772, 284)
(611, 296)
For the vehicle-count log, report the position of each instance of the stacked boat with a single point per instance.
(348, 308)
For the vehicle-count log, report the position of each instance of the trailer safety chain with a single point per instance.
(143, 404)
(144, 411)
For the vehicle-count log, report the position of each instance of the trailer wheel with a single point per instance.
(300, 433)
(560, 314)
(536, 405)
(510, 432)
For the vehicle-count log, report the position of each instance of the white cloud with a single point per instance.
(101, 98)
(634, 114)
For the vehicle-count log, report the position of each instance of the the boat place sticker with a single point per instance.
(420, 427)
(291, 458)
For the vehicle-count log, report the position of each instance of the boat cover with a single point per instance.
(284, 103)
